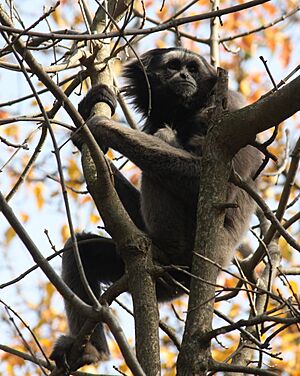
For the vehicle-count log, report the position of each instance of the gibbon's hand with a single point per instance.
(97, 94)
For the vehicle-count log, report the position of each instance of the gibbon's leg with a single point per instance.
(101, 263)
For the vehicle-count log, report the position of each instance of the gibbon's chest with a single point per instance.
(165, 212)
(159, 198)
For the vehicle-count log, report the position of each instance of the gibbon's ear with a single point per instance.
(135, 69)
(210, 68)
(208, 75)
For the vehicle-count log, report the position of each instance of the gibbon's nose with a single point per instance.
(184, 74)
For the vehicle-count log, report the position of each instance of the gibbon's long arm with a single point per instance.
(148, 152)
(127, 193)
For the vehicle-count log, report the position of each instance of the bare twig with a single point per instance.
(283, 17)
(268, 213)
(147, 31)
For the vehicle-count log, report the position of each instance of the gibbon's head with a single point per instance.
(173, 79)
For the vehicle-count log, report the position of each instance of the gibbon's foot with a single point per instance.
(89, 354)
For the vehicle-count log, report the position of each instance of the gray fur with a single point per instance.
(169, 157)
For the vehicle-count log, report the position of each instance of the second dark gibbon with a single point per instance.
(172, 103)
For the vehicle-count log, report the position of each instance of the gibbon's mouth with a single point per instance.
(186, 83)
(184, 88)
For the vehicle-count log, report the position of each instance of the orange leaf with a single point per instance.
(286, 51)
(110, 154)
(270, 8)
(3, 114)
(24, 217)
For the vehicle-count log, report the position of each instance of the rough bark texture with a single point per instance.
(135, 246)
(195, 350)
(194, 356)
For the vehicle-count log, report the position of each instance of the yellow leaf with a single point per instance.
(115, 350)
(235, 310)
(9, 235)
(50, 288)
(73, 170)
(294, 287)
(46, 342)
(34, 102)
(12, 131)
(168, 356)
(221, 354)
(86, 199)
(14, 361)
(285, 249)
(248, 45)
(38, 191)
(245, 87)
(57, 17)
(162, 13)
(123, 368)
(10, 369)
(94, 218)
(24, 217)
(65, 233)
(160, 43)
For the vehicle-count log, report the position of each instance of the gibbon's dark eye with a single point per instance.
(174, 64)
(192, 67)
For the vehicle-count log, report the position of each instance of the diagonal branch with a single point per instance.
(240, 128)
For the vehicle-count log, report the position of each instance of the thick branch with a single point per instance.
(134, 245)
(214, 172)
(240, 128)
